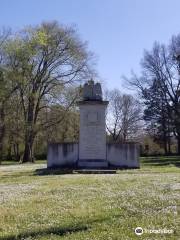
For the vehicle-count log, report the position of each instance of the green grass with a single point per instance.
(40, 204)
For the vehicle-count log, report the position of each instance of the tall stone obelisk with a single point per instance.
(92, 139)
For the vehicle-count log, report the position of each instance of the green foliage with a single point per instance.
(42, 61)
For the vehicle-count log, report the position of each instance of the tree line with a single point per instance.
(159, 90)
(41, 71)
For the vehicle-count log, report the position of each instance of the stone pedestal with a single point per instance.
(92, 140)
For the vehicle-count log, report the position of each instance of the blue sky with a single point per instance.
(117, 31)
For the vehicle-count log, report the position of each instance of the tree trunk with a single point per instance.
(165, 147)
(9, 154)
(165, 143)
(169, 139)
(28, 152)
(2, 130)
(28, 155)
(178, 145)
(16, 151)
(169, 146)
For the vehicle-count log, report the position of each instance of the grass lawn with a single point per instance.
(37, 204)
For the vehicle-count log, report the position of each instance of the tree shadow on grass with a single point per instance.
(60, 171)
(60, 231)
(16, 175)
(53, 171)
(165, 161)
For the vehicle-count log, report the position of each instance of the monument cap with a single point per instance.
(92, 91)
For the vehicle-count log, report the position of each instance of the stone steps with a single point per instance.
(95, 171)
(91, 163)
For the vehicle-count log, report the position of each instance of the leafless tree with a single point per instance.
(162, 65)
(123, 116)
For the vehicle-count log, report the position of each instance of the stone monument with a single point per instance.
(92, 139)
(92, 151)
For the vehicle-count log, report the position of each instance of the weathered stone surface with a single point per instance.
(118, 155)
(92, 140)
(123, 155)
(62, 155)
(92, 91)
(98, 91)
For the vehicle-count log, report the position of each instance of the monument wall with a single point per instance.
(123, 155)
(60, 155)
(117, 155)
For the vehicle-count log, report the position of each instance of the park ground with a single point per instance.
(40, 204)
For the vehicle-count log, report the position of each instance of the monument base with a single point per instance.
(93, 163)
(124, 155)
